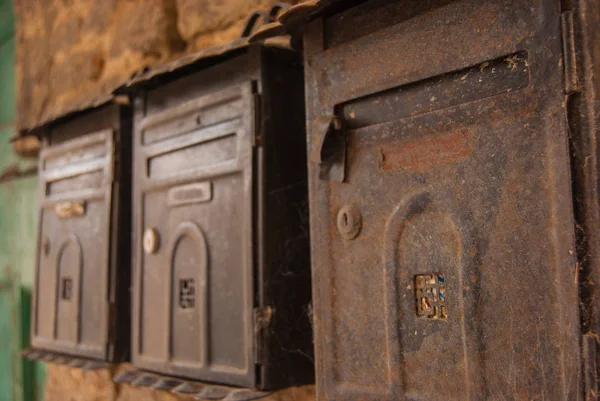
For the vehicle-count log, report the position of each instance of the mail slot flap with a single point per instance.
(195, 151)
(83, 163)
(82, 149)
(491, 78)
(193, 115)
(204, 136)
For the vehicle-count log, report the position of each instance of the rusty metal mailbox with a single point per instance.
(442, 230)
(222, 271)
(80, 310)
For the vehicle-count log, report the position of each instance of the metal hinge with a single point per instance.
(569, 53)
(258, 138)
(262, 321)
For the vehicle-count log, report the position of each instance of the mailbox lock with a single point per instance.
(150, 241)
(349, 222)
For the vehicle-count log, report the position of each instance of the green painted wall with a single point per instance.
(20, 380)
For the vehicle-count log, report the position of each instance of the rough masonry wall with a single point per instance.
(66, 384)
(70, 52)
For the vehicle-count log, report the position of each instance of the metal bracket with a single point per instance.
(329, 148)
(258, 19)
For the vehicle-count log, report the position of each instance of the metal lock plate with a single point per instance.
(461, 280)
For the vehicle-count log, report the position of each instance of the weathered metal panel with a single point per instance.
(441, 213)
(82, 280)
(221, 219)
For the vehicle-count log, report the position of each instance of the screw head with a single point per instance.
(150, 241)
(349, 222)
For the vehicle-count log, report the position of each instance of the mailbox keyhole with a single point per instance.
(67, 289)
(349, 222)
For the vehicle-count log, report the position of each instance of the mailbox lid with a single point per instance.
(194, 281)
(76, 288)
(441, 209)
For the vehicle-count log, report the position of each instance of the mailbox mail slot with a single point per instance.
(441, 212)
(81, 302)
(222, 271)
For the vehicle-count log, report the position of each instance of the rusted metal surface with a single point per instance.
(452, 153)
(292, 19)
(80, 308)
(222, 273)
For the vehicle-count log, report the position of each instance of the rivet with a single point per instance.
(349, 222)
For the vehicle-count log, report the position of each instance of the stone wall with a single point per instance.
(66, 384)
(70, 52)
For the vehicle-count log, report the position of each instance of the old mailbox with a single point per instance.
(80, 309)
(221, 280)
(442, 220)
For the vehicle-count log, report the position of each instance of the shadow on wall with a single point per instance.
(34, 372)
(20, 379)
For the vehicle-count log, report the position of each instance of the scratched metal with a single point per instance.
(221, 280)
(442, 221)
(200, 391)
(80, 302)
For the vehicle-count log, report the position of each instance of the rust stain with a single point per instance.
(426, 153)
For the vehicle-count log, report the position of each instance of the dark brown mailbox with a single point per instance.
(80, 309)
(222, 271)
(442, 219)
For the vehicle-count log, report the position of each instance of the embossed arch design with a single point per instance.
(414, 204)
(190, 231)
(72, 310)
